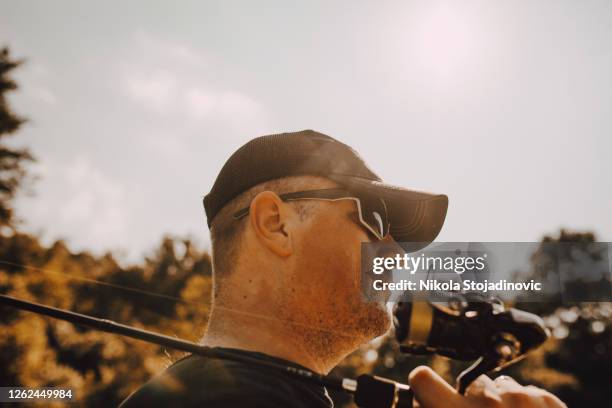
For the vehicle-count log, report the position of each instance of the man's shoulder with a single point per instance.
(196, 381)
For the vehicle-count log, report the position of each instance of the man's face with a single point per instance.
(328, 272)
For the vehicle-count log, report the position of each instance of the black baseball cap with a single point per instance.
(415, 216)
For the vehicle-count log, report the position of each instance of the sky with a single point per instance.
(133, 107)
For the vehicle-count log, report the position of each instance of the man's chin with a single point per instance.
(388, 319)
(379, 319)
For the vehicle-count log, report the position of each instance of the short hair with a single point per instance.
(226, 231)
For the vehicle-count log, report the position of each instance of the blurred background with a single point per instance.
(115, 119)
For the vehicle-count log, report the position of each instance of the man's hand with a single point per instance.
(431, 391)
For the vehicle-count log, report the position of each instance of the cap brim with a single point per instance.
(416, 217)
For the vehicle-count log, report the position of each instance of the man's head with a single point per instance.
(299, 261)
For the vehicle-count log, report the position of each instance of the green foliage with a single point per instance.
(12, 171)
(576, 362)
(102, 368)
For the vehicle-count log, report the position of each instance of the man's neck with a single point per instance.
(313, 348)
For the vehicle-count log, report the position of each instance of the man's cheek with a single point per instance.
(331, 252)
(335, 271)
(317, 261)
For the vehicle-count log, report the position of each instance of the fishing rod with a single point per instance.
(367, 390)
(463, 326)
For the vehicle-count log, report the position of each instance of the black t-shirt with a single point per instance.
(196, 381)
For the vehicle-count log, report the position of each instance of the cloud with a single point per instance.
(155, 90)
(86, 206)
(43, 94)
(169, 80)
(35, 79)
(225, 105)
(154, 48)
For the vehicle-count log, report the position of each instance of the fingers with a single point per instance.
(507, 384)
(430, 390)
(481, 384)
(504, 391)
(514, 395)
(548, 399)
(483, 392)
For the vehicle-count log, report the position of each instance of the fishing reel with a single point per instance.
(461, 326)
(468, 327)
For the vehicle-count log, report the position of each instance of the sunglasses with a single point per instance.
(372, 211)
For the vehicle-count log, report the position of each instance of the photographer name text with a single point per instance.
(451, 285)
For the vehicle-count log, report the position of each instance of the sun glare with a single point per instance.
(443, 41)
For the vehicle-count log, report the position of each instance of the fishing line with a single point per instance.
(102, 283)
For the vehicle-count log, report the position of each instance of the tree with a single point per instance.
(169, 293)
(575, 363)
(11, 160)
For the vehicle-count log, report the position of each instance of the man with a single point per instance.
(287, 216)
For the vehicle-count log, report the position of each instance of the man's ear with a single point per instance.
(269, 218)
